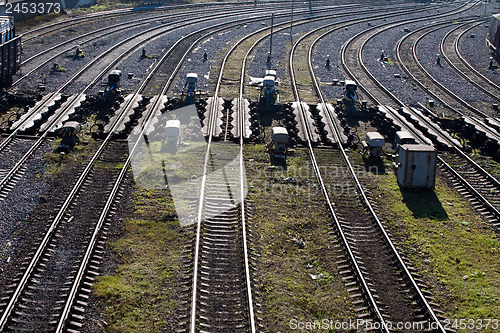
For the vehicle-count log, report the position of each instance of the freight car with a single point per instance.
(10, 53)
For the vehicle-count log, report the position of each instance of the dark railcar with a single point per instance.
(10, 52)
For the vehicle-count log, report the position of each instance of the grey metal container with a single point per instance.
(416, 166)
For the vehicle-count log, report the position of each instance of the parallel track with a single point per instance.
(221, 292)
(452, 101)
(59, 316)
(222, 295)
(371, 86)
(386, 297)
(450, 49)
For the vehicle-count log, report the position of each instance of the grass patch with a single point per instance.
(301, 66)
(449, 244)
(24, 25)
(58, 68)
(141, 296)
(56, 163)
(295, 282)
(488, 163)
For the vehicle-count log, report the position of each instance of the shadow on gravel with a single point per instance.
(424, 203)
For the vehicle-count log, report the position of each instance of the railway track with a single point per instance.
(179, 20)
(221, 292)
(441, 92)
(384, 289)
(473, 177)
(387, 299)
(450, 49)
(69, 310)
(480, 122)
(261, 35)
(38, 32)
(176, 51)
(475, 185)
(352, 58)
(452, 101)
(37, 307)
(22, 312)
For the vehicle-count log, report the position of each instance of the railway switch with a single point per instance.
(374, 142)
(279, 144)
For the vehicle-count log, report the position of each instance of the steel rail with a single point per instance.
(400, 103)
(464, 62)
(360, 189)
(86, 67)
(426, 121)
(285, 26)
(81, 272)
(71, 21)
(240, 108)
(151, 29)
(55, 120)
(435, 26)
(211, 124)
(108, 29)
(81, 179)
(439, 84)
(471, 188)
(241, 124)
(358, 185)
(116, 12)
(442, 87)
(130, 24)
(478, 168)
(127, 11)
(389, 93)
(463, 7)
(357, 269)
